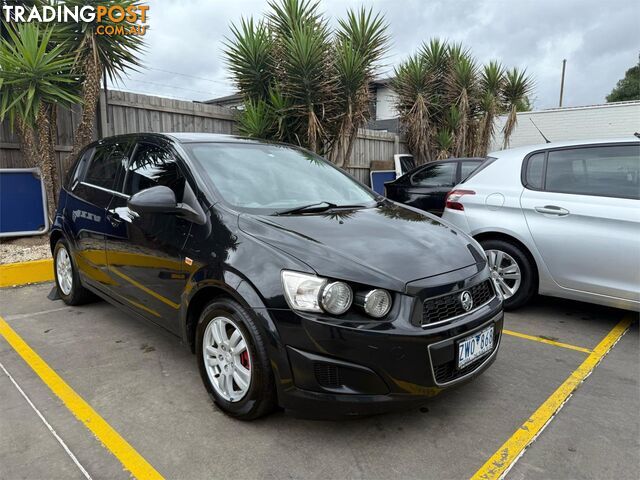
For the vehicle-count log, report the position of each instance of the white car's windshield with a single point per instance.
(274, 178)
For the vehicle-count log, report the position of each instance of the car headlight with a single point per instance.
(302, 290)
(377, 303)
(336, 298)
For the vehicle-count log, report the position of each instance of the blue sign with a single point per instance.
(379, 178)
(23, 203)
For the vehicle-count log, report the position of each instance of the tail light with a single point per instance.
(454, 196)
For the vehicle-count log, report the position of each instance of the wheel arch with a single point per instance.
(505, 237)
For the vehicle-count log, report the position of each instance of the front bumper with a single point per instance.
(374, 368)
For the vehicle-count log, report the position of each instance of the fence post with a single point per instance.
(396, 144)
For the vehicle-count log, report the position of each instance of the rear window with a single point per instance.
(534, 175)
(487, 161)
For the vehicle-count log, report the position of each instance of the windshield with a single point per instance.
(271, 178)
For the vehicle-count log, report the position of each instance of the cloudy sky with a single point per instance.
(600, 40)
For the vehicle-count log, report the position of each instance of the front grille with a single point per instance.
(326, 374)
(448, 306)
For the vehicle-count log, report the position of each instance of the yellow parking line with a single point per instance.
(131, 460)
(545, 340)
(501, 461)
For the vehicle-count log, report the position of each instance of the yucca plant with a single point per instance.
(412, 83)
(491, 87)
(35, 77)
(361, 40)
(517, 87)
(96, 55)
(313, 80)
(456, 100)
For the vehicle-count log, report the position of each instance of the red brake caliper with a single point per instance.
(244, 359)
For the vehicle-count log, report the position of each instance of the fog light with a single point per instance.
(377, 303)
(336, 298)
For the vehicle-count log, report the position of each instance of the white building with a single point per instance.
(609, 120)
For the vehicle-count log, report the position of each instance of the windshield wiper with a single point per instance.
(315, 207)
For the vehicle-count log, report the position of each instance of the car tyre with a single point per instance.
(528, 279)
(66, 276)
(259, 398)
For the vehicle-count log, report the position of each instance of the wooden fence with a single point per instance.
(125, 112)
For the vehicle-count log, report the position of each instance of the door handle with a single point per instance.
(114, 219)
(552, 210)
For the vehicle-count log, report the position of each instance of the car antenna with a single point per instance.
(637, 134)
(539, 131)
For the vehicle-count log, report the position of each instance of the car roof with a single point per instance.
(188, 137)
(569, 143)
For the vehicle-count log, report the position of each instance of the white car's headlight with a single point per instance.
(302, 290)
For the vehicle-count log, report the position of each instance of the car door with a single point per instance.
(91, 193)
(429, 186)
(145, 253)
(582, 207)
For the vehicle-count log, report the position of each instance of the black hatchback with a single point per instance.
(426, 187)
(292, 283)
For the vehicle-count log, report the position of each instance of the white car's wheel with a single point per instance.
(512, 271)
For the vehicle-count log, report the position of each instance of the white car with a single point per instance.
(560, 219)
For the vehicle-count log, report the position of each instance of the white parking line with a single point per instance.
(20, 316)
(44, 420)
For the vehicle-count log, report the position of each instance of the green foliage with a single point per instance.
(115, 53)
(627, 88)
(448, 104)
(33, 73)
(303, 82)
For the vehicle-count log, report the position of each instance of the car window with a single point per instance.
(78, 173)
(269, 178)
(535, 171)
(154, 165)
(467, 168)
(107, 165)
(610, 171)
(438, 175)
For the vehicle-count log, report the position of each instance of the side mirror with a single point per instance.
(161, 199)
(158, 199)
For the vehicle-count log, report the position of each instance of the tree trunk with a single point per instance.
(47, 159)
(90, 95)
(27, 143)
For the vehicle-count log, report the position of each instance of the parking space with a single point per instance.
(145, 386)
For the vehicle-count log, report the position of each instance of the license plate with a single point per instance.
(475, 346)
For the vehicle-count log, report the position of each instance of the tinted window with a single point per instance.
(269, 178)
(467, 168)
(439, 175)
(603, 171)
(78, 173)
(535, 171)
(107, 165)
(153, 165)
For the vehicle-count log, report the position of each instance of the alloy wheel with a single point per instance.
(227, 359)
(505, 272)
(64, 271)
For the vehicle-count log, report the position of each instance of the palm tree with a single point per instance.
(34, 78)
(491, 87)
(412, 83)
(303, 82)
(96, 55)
(361, 41)
(448, 105)
(517, 87)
